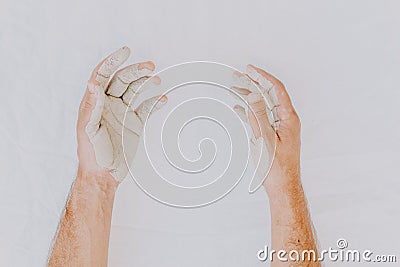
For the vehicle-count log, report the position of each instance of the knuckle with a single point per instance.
(260, 112)
(87, 104)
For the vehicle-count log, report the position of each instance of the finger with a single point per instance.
(244, 81)
(149, 106)
(90, 110)
(108, 66)
(137, 87)
(258, 118)
(242, 92)
(259, 152)
(259, 79)
(270, 105)
(253, 83)
(239, 93)
(93, 124)
(241, 112)
(273, 107)
(91, 106)
(281, 98)
(124, 77)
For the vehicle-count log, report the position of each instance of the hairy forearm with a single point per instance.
(83, 235)
(292, 228)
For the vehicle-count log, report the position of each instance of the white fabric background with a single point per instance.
(339, 61)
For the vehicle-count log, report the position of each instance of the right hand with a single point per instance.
(282, 129)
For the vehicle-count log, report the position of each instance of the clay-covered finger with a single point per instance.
(258, 117)
(241, 112)
(139, 86)
(124, 77)
(259, 79)
(281, 97)
(149, 106)
(94, 120)
(239, 93)
(243, 81)
(108, 66)
(95, 88)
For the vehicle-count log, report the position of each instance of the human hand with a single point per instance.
(275, 123)
(101, 116)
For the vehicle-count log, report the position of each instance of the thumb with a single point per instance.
(90, 110)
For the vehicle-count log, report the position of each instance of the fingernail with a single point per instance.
(156, 80)
(147, 65)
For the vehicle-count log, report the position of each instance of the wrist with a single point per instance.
(283, 186)
(93, 185)
(91, 195)
(99, 178)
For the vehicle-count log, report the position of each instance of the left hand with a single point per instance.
(101, 148)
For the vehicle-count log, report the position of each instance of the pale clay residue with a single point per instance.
(108, 123)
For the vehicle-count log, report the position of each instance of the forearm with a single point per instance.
(290, 219)
(82, 239)
(291, 223)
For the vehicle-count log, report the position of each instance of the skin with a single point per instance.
(84, 231)
(83, 235)
(291, 224)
